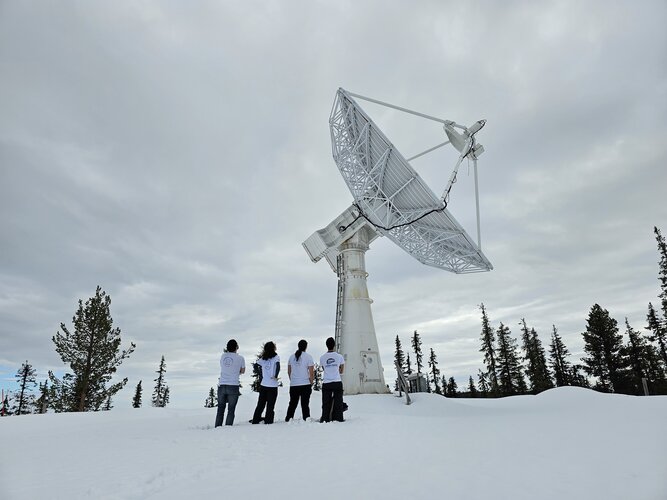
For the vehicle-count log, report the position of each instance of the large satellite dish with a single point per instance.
(392, 200)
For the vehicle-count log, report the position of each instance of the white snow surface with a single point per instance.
(566, 443)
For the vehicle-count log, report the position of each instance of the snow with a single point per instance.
(566, 443)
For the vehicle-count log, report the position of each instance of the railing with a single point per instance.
(402, 383)
(340, 271)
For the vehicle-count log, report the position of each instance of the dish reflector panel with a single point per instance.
(392, 196)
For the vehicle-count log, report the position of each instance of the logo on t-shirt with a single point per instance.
(227, 362)
(331, 361)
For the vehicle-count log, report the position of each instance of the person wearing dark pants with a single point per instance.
(332, 402)
(269, 361)
(333, 365)
(300, 369)
(231, 366)
(267, 398)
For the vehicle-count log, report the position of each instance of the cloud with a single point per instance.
(178, 157)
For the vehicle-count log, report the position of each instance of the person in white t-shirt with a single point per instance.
(269, 361)
(231, 367)
(333, 365)
(300, 369)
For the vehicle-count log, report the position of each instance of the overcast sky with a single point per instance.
(177, 154)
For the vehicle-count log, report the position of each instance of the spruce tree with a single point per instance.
(93, 353)
(662, 271)
(434, 372)
(658, 331)
(483, 384)
(656, 324)
(603, 344)
(536, 361)
(510, 371)
(317, 377)
(25, 400)
(408, 365)
(161, 391)
(443, 383)
(399, 355)
(558, 354)
(4, 410)
(211, 399)
(452, 391)
(416, 343)
(472, 390)
(42, 402)
(136, 400)
(488, 348)
(643, 362)
(399, 359)
(256, 372)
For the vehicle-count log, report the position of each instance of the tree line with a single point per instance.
(92, 349)
(633, 363)
(613, 362)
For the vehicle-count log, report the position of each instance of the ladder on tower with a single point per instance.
(340, 272)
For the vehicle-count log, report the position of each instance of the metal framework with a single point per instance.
(394, 198)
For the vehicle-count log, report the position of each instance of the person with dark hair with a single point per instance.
(232, 366)
(269, 361)
(333, 365)
(301, 372)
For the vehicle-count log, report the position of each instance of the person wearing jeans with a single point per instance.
(232, 366)
(333, 365)
(300, 369)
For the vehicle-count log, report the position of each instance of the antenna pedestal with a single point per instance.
(355, 331)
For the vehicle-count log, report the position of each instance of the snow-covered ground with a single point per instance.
(566, 443)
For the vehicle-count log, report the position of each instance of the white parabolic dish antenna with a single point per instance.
(392, 200)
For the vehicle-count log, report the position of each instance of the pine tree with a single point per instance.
(658, 331)
(399, 359)
(452, 391)
(510, 371)
(603, 343)
(136, 400)
(662, 271)
(317, 377)
(42, 403)
(25, 400)
(537, 370)
(92, 352)
(416, 343)
(256, 372)
(211, 401)
(4, 411)
(483, 384)
(471, 387)
(443, 383)
(435, 372)
(643, 362)
(408, 365)
(488, 348)
(656, 324)
(558, 354)
(161, 391)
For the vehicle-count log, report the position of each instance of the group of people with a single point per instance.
(301, 374)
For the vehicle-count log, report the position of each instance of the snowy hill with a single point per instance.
(566, 443)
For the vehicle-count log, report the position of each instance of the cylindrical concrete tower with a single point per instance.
(356, 339)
